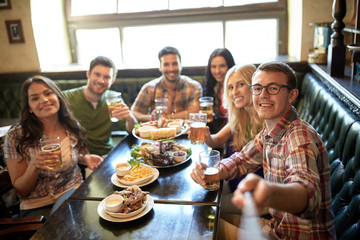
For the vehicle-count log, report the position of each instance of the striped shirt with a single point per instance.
(292, 152)
(188, 92)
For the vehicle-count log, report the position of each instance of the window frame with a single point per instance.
(121, 20)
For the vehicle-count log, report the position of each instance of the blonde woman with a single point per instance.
(243, 122)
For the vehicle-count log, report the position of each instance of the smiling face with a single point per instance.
(238, 91)
(43, 102)
(170, 67)
(218, 68)
(99, 79)
(272, 108)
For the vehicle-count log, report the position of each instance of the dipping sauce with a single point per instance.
(123, 166)
(122, 169)
(179, 156)
(113, 203)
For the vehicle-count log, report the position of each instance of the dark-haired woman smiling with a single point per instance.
(220, 61)
(45, 112)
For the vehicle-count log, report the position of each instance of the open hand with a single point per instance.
(92, 161)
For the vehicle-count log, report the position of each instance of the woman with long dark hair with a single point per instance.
(220, 61)
(45, 112)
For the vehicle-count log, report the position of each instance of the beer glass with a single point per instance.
(197, 127)
(52, 144)
(161, 103)
(111, 100)
(207, 106)
(210, 161)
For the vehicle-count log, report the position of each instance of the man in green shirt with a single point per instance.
(89, 105)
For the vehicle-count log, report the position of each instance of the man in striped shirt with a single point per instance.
(296, 184)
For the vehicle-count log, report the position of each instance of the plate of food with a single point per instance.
(149, 153)
(169, 129)
(137, 176)
(136, 203)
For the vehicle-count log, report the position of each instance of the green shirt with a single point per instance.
(96, 121)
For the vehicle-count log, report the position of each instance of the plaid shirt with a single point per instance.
(188, 92)
(292, 152)
(49, 183)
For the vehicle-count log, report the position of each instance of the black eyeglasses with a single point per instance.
(271, 89)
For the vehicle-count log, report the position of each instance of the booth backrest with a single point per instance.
(10, 99)
(339, 128)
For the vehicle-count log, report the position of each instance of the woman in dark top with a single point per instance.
(220, 61)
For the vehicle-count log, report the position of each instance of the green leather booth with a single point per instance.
(340, 130)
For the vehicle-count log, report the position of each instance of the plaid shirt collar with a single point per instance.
(282, 126)
(179, 84)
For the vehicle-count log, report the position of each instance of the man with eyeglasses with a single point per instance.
(89, 105)
(295, 187)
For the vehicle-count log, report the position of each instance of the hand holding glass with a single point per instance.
(111, 101)
(197, 127)
(52, 144)
(210, 162)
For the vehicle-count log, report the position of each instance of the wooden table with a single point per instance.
(182, 208)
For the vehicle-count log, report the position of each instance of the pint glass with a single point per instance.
(52, 144)
(197, 127)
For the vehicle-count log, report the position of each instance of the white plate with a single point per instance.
(138, 182)
(127, 215)
(116, 182)
(184, 129)
(103, 214)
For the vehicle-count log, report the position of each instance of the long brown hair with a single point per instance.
(32, 127)
(239, 118)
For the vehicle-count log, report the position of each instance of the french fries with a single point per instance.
(137, 173)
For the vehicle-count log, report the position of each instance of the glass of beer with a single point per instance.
(52, 144)
(111, 101)
(207, 106)
(161, 103)
(197, 127)
(210, 161)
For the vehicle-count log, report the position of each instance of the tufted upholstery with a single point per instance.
(10, 99)
(340, 131)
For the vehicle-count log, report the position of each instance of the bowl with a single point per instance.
(179, 156)
(113, 203)
(181, 121)
(145, 131)
(122, 169)
(176, 125)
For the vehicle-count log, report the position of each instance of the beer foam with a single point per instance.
(50, 147)
(198, 124)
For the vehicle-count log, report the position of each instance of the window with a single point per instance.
(140, 50)
(131, 32)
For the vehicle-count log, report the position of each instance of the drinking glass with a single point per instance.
(210, 161)
(52, 144)
(161, 103)
(207, 106)
(197, 127)
(111, 101)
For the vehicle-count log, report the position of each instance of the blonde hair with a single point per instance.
(239, 119)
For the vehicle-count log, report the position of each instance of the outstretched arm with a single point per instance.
(290, 197)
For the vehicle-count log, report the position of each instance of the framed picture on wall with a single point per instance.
(5, 4)
(15, 31)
